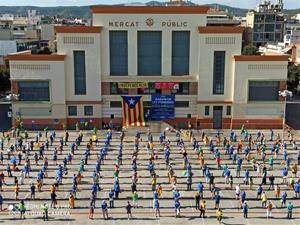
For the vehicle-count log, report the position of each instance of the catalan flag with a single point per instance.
(133, 112)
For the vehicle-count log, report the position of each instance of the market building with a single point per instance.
(143, 50)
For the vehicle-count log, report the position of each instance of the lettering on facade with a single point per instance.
(149, 22)
(123, 24)
(171, 23)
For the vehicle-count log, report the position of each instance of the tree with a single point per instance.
(293, 76)
(250, 50)
(4, 80)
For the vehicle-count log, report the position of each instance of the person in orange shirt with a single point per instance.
(52, 188)
(17, 190)
(159, 190)
(71, 201)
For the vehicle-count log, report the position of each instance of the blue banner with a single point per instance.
(162, 107)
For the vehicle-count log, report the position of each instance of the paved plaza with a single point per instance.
(145, 214)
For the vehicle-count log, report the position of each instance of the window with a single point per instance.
(269, 28)
(149, 52)
(72, 110)
(114, 90)
(228, 110)
(79, 73)
(183, 89)
(88, 110)
(263, 90)
(115, 104)
(180, 52)
(270, 18)
(182, 104)
(258, 27)
(118, 46)
(219, 72)
(34, 91)
(150, 90)
(206, 110)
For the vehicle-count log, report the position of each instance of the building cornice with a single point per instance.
(220, 30)
(77, 29)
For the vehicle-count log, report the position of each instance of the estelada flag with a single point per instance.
(133, 111)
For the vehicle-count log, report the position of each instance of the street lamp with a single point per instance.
(284, 94)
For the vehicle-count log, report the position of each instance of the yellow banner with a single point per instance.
(133, 85)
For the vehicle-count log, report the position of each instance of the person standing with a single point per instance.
(45, 210)
(269, 209)
(264, 199)
(22, 209)
(177, 208)
(219, 214)
(290, 208)
(202, 208)
(104, 209)
(157, 208)
(128, 209)
(135, 199)
(1, 202)
(197, 199)
(245, 210)
(111, 198)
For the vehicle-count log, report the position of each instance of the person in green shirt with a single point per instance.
(22, 209)
(45, 209)
(290, 208)
(135, 198)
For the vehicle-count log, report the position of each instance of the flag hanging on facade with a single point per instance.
(133, 111)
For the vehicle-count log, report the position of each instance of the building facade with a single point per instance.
(266, 23)
(217, 87)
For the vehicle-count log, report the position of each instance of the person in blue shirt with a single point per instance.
(298, 157)
(177, 208)
(217, 200)
(259, 191)
(283, 199)
(243, 197)
(157, 208)
(284, 175)
(176, 195)
(246, 178)
(117, 189)
(297, 189)
(200, 189)
(111, 198)
(245, 209)
(104, 209)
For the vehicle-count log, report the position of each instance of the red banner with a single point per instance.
(167, 85)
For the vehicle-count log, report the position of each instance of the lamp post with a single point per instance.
(284, 94)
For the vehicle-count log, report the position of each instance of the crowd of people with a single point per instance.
(238, 154)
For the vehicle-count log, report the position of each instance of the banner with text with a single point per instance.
(162, 107)
(166, 85)
(133, 85)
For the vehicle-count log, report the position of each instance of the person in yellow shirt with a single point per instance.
(264, 199)
(202, 208)
(219, 214)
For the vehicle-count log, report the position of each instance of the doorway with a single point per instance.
(217, 117)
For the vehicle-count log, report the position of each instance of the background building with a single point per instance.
(266, 23)
(216, 87)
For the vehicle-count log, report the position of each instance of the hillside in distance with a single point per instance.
(84, 11)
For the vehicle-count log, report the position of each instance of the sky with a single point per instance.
(290, 4)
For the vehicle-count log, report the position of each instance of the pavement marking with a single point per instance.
(192, 206)
(248, 223)
(203, 223)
